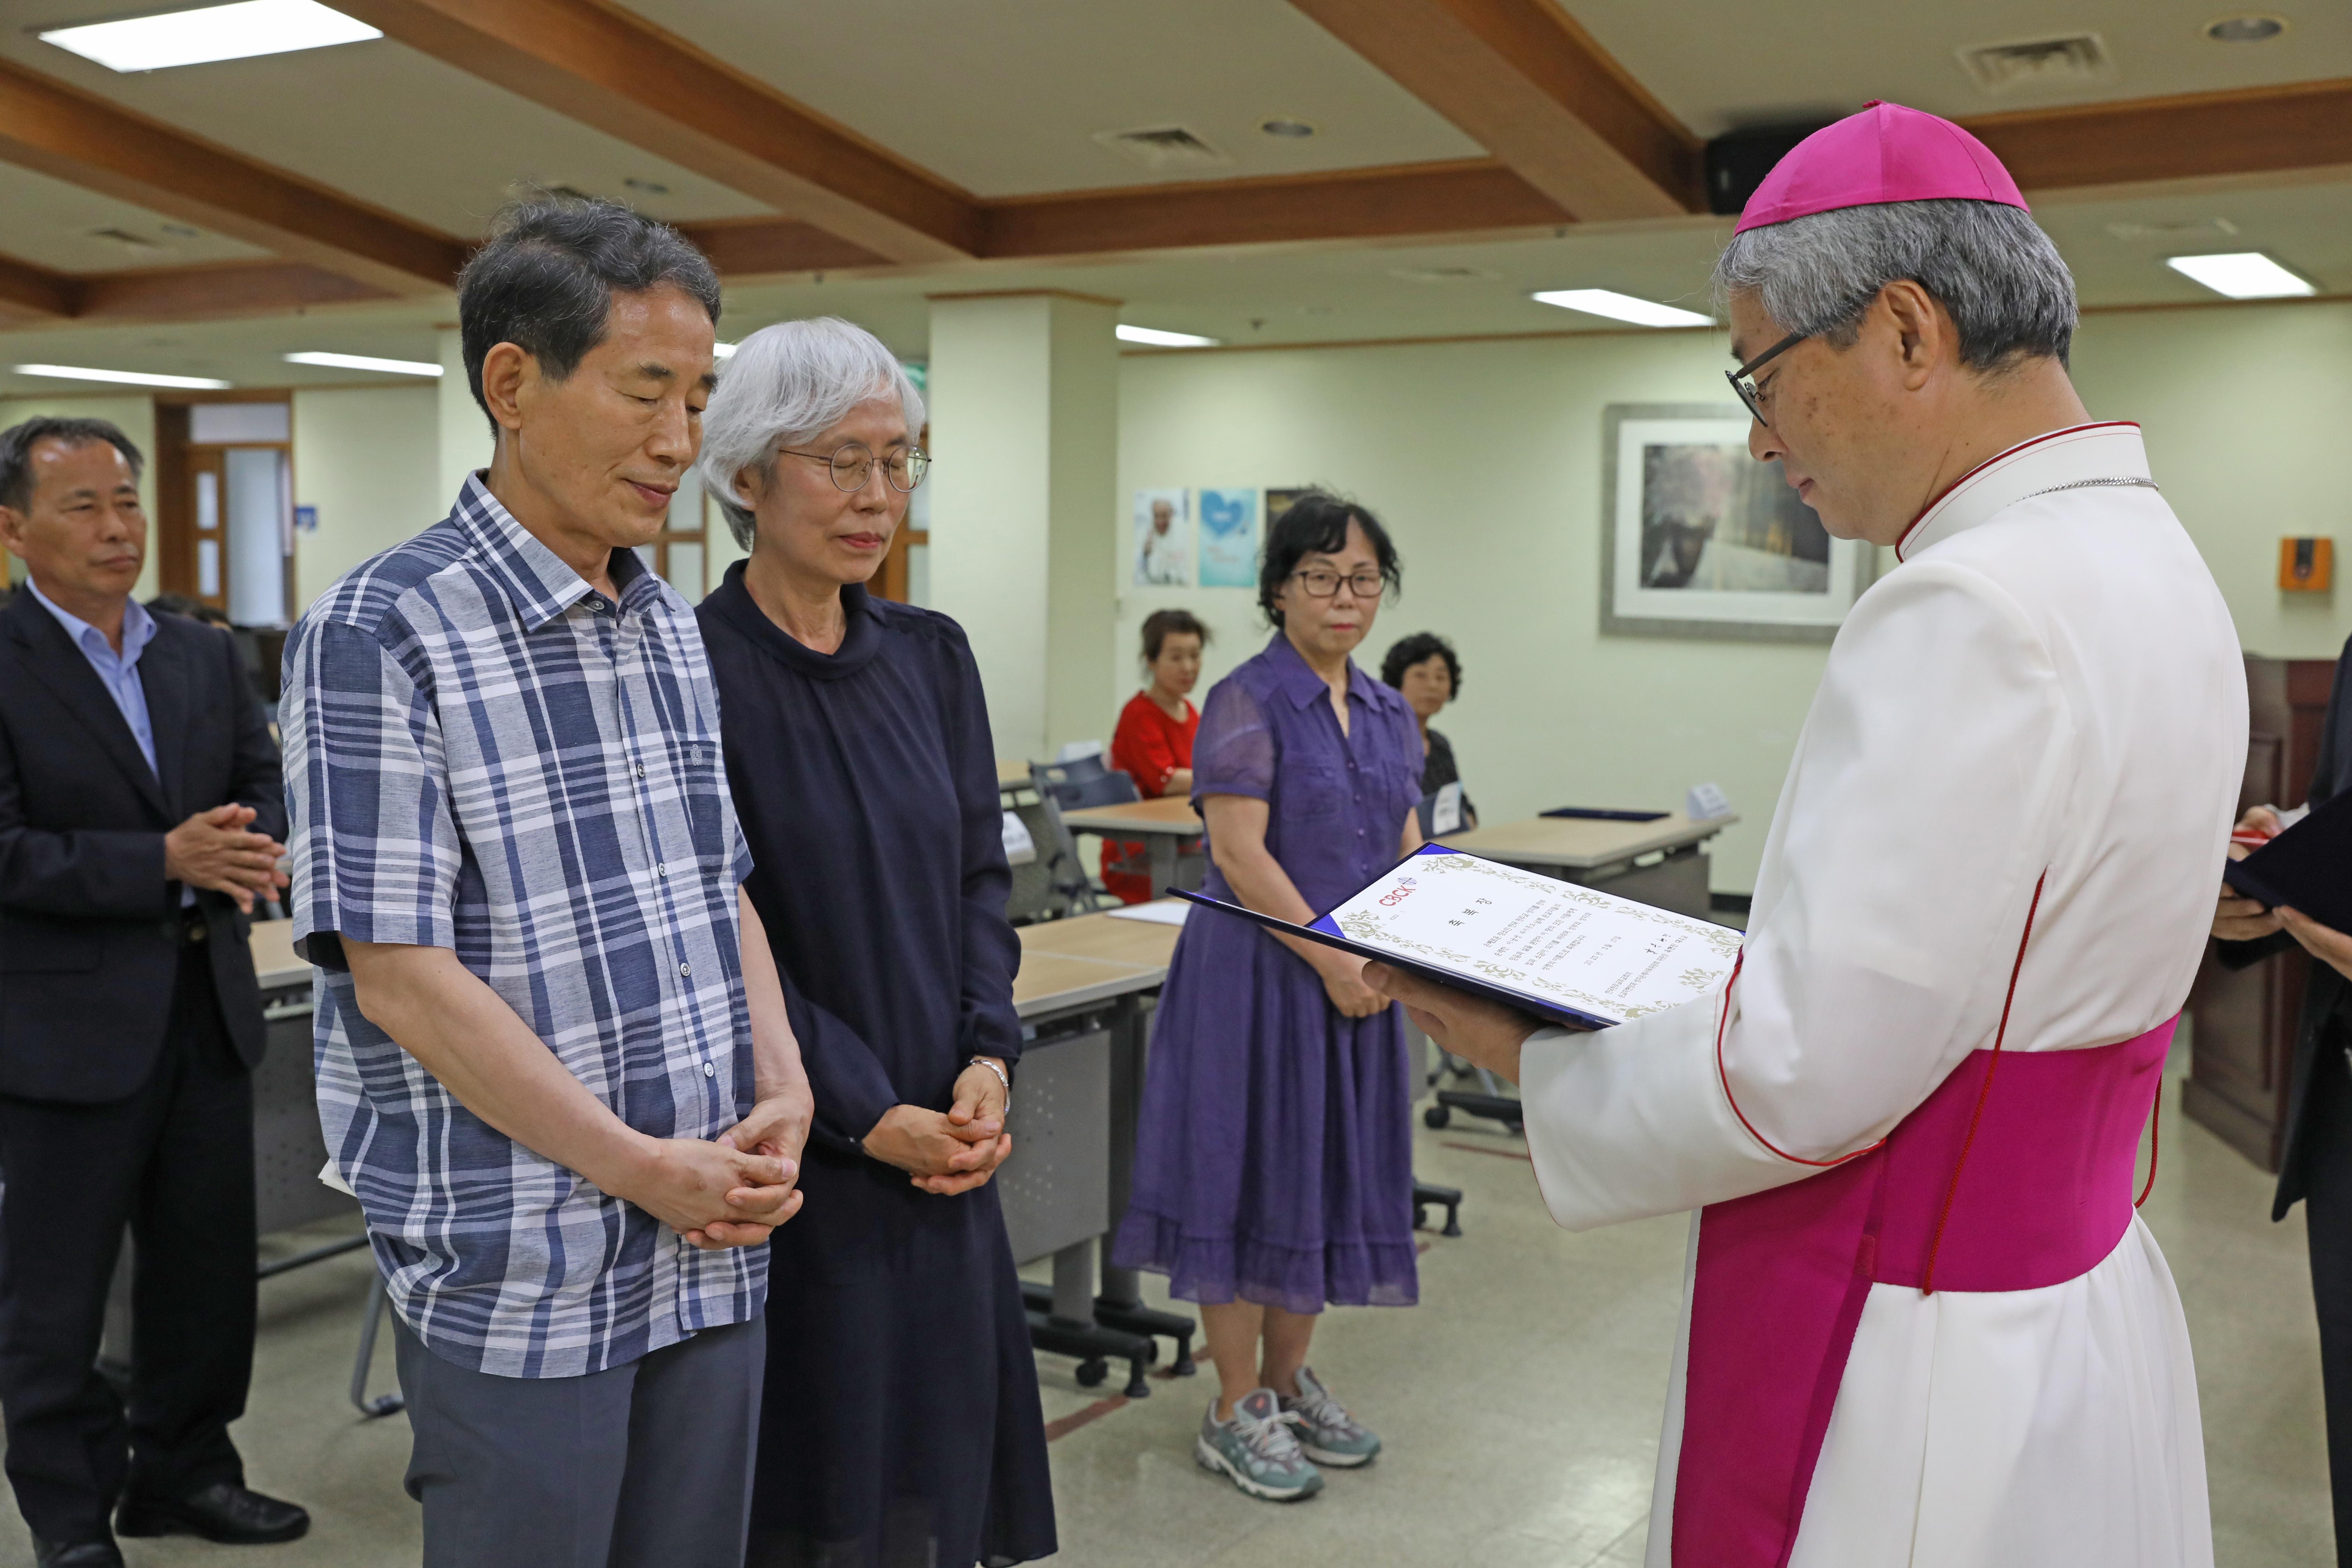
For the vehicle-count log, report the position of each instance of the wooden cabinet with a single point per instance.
(2243, 1023)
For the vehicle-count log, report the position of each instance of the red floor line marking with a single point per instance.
(1482, 1149)
(1095, 1412)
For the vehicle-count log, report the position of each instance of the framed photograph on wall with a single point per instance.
(1699, 540)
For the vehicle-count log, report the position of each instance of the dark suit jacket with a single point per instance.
(2324, 1000)
(89, 927)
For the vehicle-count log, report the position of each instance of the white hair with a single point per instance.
(1987, 264)
(788, 383)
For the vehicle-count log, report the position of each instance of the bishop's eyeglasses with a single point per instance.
(852, 464)
(1743, 380)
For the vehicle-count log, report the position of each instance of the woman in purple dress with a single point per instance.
(1273, 1162)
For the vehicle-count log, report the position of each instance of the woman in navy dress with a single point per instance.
(900, 1427)
(1274, 1167)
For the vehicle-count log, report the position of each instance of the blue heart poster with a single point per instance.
(1228, 539)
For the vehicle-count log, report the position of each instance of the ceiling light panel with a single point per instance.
(122, 377)
(233, 32)
(1159, 338)
(2242, 275)
(365, 362)
(1622, 307)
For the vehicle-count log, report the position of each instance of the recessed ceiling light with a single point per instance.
(2252, 28)
(1286, 127)
(1622, 307)
(1159, 338)
(2242, 275)
(123, 377)
(364, 362)
(647, 188)
(233, 32)
(1165, 339)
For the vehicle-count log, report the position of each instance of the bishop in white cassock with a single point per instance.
(1924, 1323)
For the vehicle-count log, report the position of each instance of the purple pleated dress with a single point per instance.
(1274, 1161)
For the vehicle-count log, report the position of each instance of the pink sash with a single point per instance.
(2044, 1195)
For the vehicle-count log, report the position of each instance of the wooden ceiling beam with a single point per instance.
(1524, 81)
(613, 70)
(85, 141)
(1473, 196)
(751, 246)
(34, 296)
(2258, 131)
(216, 291)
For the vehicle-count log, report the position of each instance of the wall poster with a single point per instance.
(1228, 539)
(1163, 540)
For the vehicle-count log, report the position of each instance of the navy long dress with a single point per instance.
(902, 1424)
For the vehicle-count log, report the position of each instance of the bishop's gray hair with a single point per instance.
(1987, 264)
(786, 384)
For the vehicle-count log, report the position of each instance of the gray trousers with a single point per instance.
(642, 1466)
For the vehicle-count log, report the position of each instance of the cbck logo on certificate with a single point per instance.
(1557, 948)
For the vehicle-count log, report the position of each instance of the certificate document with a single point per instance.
(1550, 947)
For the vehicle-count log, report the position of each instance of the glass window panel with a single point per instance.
(685, 568)
(208, 500)
(208, 583)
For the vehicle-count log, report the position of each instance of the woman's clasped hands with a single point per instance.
(951, 1151)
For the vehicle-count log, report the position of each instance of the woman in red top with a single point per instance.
(1153, 743)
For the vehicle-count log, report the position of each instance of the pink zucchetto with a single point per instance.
(1885, 153)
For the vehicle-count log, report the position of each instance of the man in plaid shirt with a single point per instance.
(553, 1056)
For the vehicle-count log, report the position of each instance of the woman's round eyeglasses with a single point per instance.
(1322, 583)
(852, 464)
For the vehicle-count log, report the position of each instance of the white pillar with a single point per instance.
(464, 429)
(1024, 423)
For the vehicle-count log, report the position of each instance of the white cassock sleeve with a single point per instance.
(1920, 810)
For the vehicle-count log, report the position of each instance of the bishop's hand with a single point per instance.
(1486, 1033)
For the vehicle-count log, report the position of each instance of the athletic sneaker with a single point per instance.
(1255, 1449)
(1328, 1434)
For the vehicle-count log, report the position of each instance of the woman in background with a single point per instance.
(900, 1427)
(1153, 743)
(1272, 1169)
(1424, 668)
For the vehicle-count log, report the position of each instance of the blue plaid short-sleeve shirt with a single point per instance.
(486, 755)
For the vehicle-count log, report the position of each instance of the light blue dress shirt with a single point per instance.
(117, 671)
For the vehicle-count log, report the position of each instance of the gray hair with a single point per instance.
(17, 441)
(788, 383)
(1987, 264)
(545, 278)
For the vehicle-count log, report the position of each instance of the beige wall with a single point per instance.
(1483, 459)
(2248, 412)
(134, 415)
(366, 458)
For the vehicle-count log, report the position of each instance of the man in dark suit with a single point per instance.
(2318, 1165)
(139, 807)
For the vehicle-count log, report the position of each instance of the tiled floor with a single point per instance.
(1519, 1401)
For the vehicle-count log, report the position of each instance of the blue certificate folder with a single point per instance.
(1324, 930)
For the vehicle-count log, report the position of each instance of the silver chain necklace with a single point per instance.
(2118, 482)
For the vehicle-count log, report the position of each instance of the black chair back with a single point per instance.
(1083, 782)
